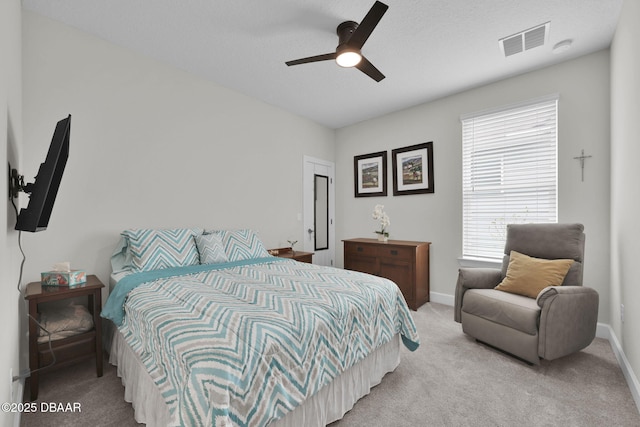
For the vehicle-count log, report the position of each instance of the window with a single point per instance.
(509, 173)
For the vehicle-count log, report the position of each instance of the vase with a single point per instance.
(382, 238)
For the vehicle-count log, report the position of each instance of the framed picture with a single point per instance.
(413, 169)
(370, 174)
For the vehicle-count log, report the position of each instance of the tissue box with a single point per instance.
(63, 278)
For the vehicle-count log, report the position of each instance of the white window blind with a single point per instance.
(510, 173)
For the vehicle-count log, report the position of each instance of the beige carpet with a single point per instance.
(449, 381)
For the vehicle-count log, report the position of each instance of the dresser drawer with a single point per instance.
(395, 252)
(361, 249)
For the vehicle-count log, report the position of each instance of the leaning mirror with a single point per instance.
(321, 211)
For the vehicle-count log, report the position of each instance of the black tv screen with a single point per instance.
(45, 187)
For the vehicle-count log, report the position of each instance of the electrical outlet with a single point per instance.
(622, 313)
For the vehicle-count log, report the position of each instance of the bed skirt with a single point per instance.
(328, 405)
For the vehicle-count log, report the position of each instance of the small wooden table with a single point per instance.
(69, 350)
(290, 253)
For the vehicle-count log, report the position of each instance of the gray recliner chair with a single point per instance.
(560, 321)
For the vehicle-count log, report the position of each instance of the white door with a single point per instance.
(319, 210)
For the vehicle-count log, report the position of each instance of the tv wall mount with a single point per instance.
(16, 183)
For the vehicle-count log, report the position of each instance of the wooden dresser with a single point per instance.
(404, 262)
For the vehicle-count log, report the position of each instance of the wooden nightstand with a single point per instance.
(289, 253)
(67, 350)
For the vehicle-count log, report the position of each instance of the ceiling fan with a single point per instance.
(351, 38)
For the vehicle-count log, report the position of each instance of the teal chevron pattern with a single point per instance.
(244, 345)
(210, 249)
(157, 249)
(242, 244)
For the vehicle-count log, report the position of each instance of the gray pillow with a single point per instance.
(211, 249)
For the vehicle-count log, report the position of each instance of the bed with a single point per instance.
(212, 330)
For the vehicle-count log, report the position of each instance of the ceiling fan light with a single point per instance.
(348, 59)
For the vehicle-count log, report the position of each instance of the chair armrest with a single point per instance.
(474, 278)
(568, 320)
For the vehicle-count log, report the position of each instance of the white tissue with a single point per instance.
(62, 266)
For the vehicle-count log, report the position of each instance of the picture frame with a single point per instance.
(370, 174)
(413, 169)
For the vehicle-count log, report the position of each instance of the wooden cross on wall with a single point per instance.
(582, 158)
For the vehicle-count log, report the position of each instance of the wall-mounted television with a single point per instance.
(43, 191)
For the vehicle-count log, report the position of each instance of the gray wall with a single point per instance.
(11, 303)
(583, 86)
(625, 176)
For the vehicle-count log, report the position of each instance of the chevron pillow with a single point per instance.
(211, 249)
(242, 244)
(157, 249)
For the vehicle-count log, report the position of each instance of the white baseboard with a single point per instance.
(16, 398)
(439, 298)
(603, 330)
(627, 370)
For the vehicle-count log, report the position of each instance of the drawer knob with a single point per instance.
(359, 249)
(394, 252)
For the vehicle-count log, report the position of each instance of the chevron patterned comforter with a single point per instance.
(245, 343)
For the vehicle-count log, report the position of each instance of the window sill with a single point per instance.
(479, 262)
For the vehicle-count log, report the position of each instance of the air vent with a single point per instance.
(524, 40)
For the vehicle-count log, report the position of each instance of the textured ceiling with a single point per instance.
(426, 49)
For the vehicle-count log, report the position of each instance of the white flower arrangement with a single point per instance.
(380, 215)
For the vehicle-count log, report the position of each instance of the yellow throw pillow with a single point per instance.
(528, 276)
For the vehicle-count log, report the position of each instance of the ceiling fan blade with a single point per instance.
(325, 57)
(367, 67)
(366, 27)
